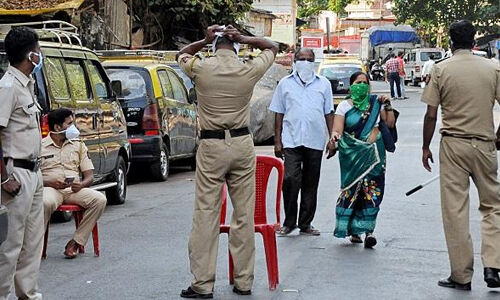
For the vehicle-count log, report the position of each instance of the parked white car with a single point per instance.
(415, 60)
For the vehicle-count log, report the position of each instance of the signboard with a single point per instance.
(313, 42)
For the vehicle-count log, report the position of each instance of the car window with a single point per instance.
(4, 63)
(177, 87)
(424, 56)
(77, 82)
(56, 78)
(339, 71)
(97, 80)
(185, 78)
(166, 86)
(133, 83)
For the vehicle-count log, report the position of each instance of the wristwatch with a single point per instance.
(388, 107)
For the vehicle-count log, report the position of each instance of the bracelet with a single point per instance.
(6, 180)
(388, 107)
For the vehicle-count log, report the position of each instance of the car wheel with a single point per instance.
(192, 163)
(62, 216)
(118, 193)
(161, 168)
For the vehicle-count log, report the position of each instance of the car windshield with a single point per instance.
(424, 56)
(133, 83)
(339, 71)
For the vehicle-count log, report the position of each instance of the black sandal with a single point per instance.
(356, 239)
(370, 241)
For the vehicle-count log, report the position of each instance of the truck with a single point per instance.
(380, 41)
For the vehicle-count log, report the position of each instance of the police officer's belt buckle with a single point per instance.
(37, 164)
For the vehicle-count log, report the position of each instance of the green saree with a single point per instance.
(362, 170)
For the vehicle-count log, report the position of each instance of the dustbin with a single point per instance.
(3, 223)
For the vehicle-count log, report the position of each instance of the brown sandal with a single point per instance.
(356, 239)
(71, 249)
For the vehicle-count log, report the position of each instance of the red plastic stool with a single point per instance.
(78, 215)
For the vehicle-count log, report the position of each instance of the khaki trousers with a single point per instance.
(231, 160)
(460, 159)
(20, 254)
(94, 203)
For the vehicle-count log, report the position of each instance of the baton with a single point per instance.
(419, 187)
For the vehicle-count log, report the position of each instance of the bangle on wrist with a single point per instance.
(6, 180)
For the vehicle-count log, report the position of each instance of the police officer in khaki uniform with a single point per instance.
(466, 87)
(64, 159)
(22, 184)
(224, 86)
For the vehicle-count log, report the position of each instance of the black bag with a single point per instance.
(389, 135)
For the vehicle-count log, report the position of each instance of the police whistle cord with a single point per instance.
(419, 187)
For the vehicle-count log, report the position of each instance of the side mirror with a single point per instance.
(192, 97)
(116, 86)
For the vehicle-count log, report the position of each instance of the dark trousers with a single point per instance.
(394, 77)
(302, 170)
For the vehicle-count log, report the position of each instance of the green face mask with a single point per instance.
(359, 95)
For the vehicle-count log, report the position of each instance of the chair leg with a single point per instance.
(78, 215)
(270, 248)
(231, 268)
(95, 238)
(45, 240)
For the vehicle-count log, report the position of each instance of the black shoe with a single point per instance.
(310, 231)
(454, 285)
(286, 230)
(189, 293)
(370, 241)
(491, 277)
(242, 293)
(356, 239)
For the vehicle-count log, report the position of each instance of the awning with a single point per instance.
(71, 4)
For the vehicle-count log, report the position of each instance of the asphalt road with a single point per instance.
(144, 241)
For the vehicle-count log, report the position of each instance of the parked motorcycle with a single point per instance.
(377, 72)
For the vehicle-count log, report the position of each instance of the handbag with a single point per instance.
(389, 135)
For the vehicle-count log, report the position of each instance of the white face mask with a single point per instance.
(305, 70)
(71, 133)
(236, 46)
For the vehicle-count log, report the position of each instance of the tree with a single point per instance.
(431, 18)
(187, 18)
(307, 8)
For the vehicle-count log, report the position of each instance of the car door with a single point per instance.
(171, 115)
(110, 118)
(85, 109)
(187, 137)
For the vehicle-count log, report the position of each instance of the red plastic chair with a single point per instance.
(265, 164)
(78, 215)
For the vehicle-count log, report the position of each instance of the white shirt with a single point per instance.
(346, 106)
(426, 70)
(304, 108)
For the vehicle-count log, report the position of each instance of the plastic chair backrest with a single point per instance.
(265, 165)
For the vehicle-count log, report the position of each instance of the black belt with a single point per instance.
(32, 165)
(219, 134)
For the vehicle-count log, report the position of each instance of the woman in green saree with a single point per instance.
(362, 159)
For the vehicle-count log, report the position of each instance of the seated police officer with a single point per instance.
(64, 161)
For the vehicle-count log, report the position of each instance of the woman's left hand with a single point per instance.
(383, 98)
(331, 149)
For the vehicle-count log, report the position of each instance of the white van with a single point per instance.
(415, 60)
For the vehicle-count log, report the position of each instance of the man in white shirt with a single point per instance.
(304, 110)
(426, 70)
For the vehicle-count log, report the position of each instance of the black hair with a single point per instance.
(401, 53)
(297, 52)
(392, 55)
(431, 56)
(19, 42)
(462, 34)
(58, 116)
(223, 41)
(356, 74)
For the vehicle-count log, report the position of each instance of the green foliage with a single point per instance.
(307, 8)
(432, 18)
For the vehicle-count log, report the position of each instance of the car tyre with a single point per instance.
(161, 168)
(118, 193)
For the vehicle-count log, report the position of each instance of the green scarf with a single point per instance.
(359, 96)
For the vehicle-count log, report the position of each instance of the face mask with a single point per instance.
(71, 133)
(236, 46)
(359, 95)
(38, 66)
(305, 70)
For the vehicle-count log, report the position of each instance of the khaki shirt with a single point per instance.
(20, 116)
(69, 160)
(466, 87)
(224, 85)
